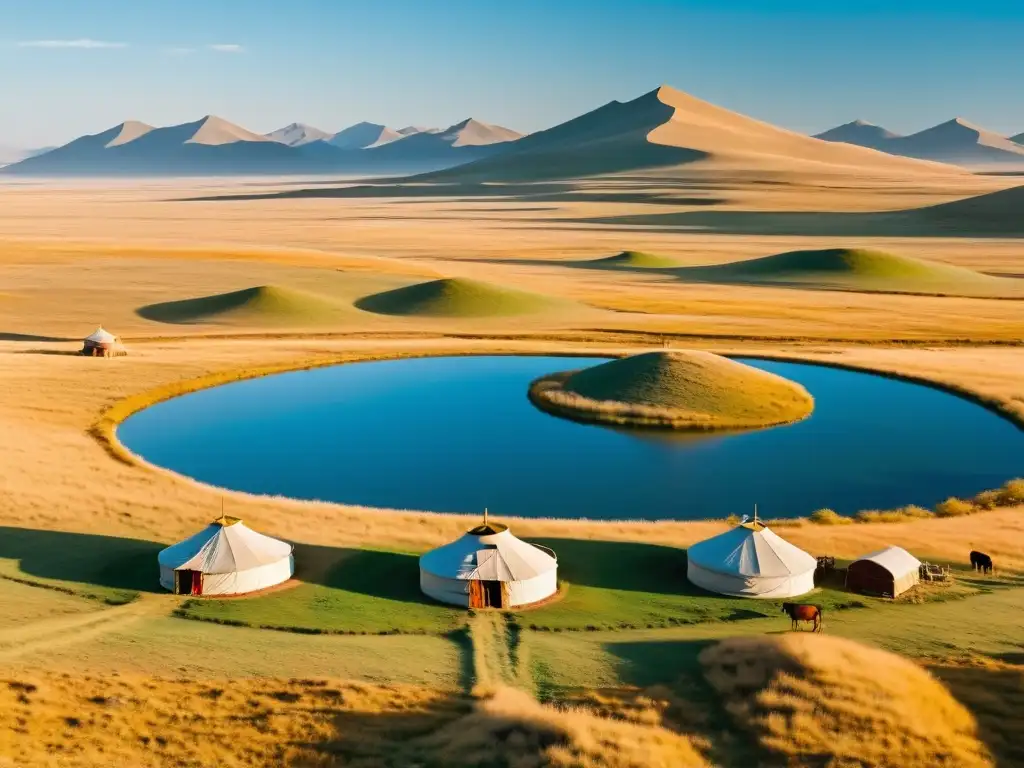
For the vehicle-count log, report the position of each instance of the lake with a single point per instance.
(457, 434)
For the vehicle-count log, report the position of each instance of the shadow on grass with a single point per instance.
(995, 696)
(95, 561)
(387, 575)
(7, 336)
(623, 565)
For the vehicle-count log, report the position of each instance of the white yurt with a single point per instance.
(488, 567)
(750, 561)
(225, 558)
(102, 343)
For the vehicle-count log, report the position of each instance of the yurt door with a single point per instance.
(477, 595)
(197, 582)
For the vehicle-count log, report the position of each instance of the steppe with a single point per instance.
(103, 666)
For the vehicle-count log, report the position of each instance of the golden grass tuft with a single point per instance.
(829, 517)
(954, 507)
(688, 390)
(510, 728)
(898, 515)
(821, 701)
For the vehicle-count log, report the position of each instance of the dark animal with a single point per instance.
(981, 562)
(801, 612)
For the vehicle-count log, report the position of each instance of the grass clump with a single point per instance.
(264, 305)
(1012, 493)
(677, 390)
(829, 517)
(898, 515)
(458, 297)
(954, 507)
(813, 700)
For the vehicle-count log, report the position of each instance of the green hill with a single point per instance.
(682, 390)
(263, 305)
(458, 297)
(850, 269)
(635, 260)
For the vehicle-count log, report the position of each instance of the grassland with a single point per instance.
(688, 390)
(81, 528)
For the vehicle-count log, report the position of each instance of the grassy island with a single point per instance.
(686, 390)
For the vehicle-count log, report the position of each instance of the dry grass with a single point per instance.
(821, 701)
(49, 719)
(954, 507)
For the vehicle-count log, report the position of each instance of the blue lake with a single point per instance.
(457, 434)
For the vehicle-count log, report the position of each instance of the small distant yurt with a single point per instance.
(101, 343)
(750, 561)
(488, 567)
(225, 558)
(888, 572)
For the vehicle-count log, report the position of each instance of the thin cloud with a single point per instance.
(226, 48)
(82, 43)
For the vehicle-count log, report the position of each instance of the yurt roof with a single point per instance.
(751, 550)
(226, 545)
(489, 556)
(895, 560)
(100, 336)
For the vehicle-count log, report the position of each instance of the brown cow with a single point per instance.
(802, 612)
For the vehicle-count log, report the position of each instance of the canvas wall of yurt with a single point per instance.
(750, 560)
(225, 558)
(102, 343)
(488, 567)
(888, 572)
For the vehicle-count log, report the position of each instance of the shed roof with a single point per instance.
(895, 560)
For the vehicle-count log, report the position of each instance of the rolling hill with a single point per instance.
(458, 297)
(671, 132)
(261, 306)
(363, 136)
(857, 269)
(955, 141)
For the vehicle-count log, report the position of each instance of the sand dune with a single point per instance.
(458, 144)
(999, 212)
(1018, 139)
(669, 130)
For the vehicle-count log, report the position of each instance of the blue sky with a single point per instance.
(70, 67)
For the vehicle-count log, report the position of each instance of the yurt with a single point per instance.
(750, 561)
(888, 572)
(225, 558)
(488, 567)
(101, 343)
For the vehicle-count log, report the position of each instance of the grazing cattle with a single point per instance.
(981, 562)
(801, 612)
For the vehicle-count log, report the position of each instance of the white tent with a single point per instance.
(102, 343)
(890, 572)
(750, 561)
(225, 558)
(488, 567)
(100, 336)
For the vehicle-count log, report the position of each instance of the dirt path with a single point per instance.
(76, 628)
(497, 653)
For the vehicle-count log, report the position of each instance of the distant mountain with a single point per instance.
(955, 141)
(673, 132)
(1018, 139)
(209, 146)
(859, 132)
(297, 134)
(409, 130)
(364, 136)
(213, 146)
(460, 143)
(16, 154)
